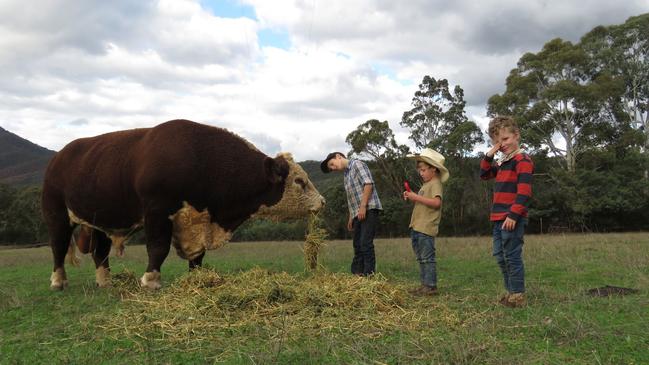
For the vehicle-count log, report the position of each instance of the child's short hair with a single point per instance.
(500, 122)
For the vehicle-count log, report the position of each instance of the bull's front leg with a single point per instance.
(196, 262)
(158, 230)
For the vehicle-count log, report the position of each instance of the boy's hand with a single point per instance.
(350, 226)
(509, 224)
(493, 150)
(362, 212)
(408, 195)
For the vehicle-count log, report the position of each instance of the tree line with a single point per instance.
(582, 109)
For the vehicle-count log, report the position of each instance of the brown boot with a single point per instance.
(516, 300)
(503, 300)
(415, 290)
(428, 290)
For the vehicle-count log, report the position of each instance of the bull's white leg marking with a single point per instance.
(151, 280)
(102, 277)
(58, 279)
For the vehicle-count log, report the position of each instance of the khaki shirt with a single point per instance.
(425, 219)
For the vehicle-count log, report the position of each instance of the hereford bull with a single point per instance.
(182, 182)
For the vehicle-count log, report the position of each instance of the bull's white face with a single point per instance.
(300, 196)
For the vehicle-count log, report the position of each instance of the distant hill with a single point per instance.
(21, 161)
(321, 180)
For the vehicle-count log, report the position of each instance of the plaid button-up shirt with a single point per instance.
(357, 175)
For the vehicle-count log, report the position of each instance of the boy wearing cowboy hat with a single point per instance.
(426, 215)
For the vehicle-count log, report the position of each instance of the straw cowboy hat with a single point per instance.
(432, 158)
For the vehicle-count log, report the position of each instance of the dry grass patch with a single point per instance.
(202, 304)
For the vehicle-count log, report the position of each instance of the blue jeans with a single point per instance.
(364, 261)
(508, 250)
(424, 247)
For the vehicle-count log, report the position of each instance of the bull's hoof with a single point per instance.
(151, 280)
(58, 280)
(57, 287)
(102, 277)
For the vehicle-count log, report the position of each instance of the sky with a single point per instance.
(287, 75)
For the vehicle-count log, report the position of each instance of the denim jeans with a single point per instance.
(364, 261)
(424, 247)
(508, 250)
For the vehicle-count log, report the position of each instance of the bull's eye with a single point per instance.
(301, 182)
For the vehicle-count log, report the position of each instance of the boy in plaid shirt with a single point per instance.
(364, 206)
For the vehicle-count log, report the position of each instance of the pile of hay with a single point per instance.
(314, 240)
(203, 305)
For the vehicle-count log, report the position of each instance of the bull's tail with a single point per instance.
(83, 240)
(71, 256)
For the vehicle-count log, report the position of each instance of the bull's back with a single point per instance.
(93, 178)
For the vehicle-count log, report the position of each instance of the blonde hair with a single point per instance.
(502, 122)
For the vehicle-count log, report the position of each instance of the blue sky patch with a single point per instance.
(229, 9)
(274, 38)
(382, 69)
(234, 9)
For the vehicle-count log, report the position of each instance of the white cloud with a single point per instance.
(102, 66)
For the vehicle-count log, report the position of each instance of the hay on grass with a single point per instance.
(203, 306)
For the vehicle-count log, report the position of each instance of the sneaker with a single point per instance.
(515, 300)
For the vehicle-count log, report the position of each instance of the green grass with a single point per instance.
(463, 325)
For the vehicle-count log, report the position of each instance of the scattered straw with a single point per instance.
(313, 241)
(126, 284)
(203, 307)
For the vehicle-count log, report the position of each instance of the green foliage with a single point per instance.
(438, 120)
(622, 51)
(376, 139)
(551, 94)
(20, 215)
(265, 230)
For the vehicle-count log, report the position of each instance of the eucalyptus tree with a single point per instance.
(438, 119)
(623, 52)
(375, 139)
(555, 100)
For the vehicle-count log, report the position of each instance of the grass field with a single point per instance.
(269, 310)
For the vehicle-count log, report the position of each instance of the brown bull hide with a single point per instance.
(119, 182)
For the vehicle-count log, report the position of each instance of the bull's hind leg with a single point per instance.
(60, 231)
(100, 255)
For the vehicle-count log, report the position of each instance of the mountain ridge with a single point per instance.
(21, 162)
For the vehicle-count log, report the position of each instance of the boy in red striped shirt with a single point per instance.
(512, 193)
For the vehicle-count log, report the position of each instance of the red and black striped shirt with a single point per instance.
(513, 188)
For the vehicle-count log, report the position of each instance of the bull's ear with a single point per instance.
(276, 169)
